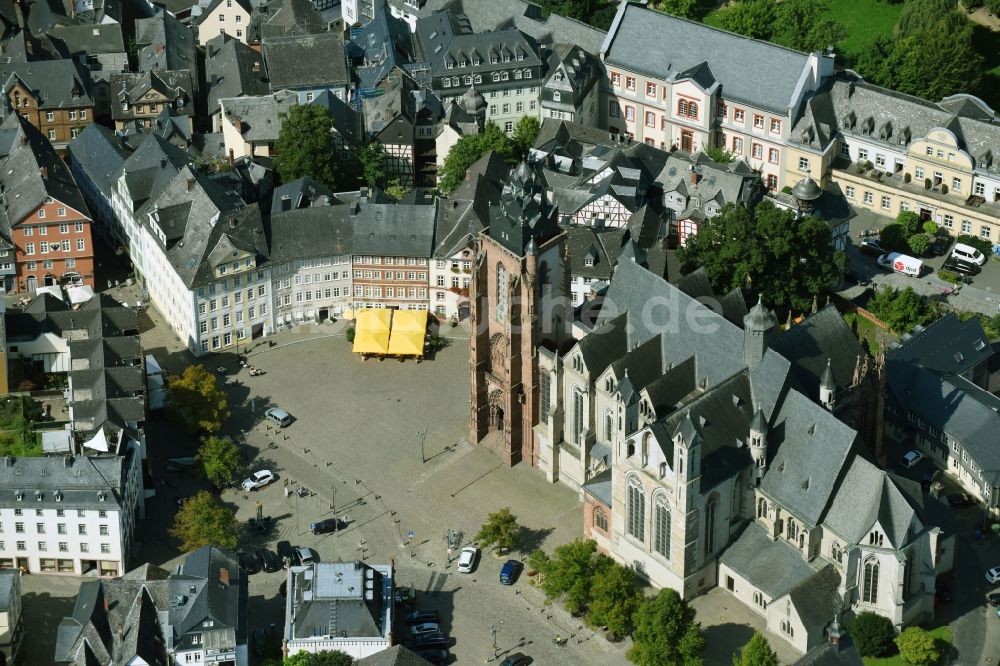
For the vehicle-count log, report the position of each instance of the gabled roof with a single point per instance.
(293, 17)
(88, 39)
(869, 496)
(306, 61)
(55, 84)
(394, 230)
(258, 118)
(948, 345)
(232, 69)
(670, 48)
(773, 566)
(99, 153)
(165, 44)
(131, 87)
(301, 193)
(304, 233)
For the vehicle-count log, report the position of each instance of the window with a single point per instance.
(81, 245)
(862, 154)
(29, 230)
(757, 151)
(61, 528)
(44, 247)
(886, 202)
(772, 155)
(104, 530)
(105, 547)
(918, 173)
(578, 415)
(775, 126)
(687, 108)
(869, 591)
(650, 119)
(629, 113)
(948, 221)
(984, 231)
(721, 109)
(616, 79)
(979, 189)
(772, 182)
(739, 116)
(786, 627)
(869, 198)
(845, 150)
(614, 110)
(29, 248)
(19, 528)
(650, 89)
(49, 116)
(758, 121)
(737, 145)
(600, 519)
(630, 83)
(849, 191)
(102, 513)
(661, 525)
(635, 507)
(966, 227)
(956, 184)
(880, 160)
(803, 164)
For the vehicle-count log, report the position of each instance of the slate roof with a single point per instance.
(99, 153)
(815, 598)
(259, 117)
(466, 213)
(165, 44)
(813, 450)
(670, 48)
(210, 9)
(607, 342)
(948, 345)
(870, 496)
(846, 105)
(24, 153)
(346, 121)
(809, 344)
(599, 487)
(82, 480)
(380, 45)
(199, 217)
(720, 183)
(573, 73)
(232, 69)
(334, 598)
(131, 86)
(773, 566)
(601, 247)
(306, 61)
(56, 84)
(397, 655)
(301, 193)
(446, 39)
(149, 168)
(394, 230)
(290, 18)
(89, 39)
(304, 233)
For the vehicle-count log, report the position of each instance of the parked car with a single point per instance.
(509, 572)
(425, 628)
(306, 555)
(939, 246)
(515, 659)
(872, 248)
(968, 253)
(994, 599)
(993, 575)
(259, 641)
(901, 263)
(327, 526)
(258, 480)
(436, 640)
(956, 265)
(423, 615)
(959, 500)
(249, 562)
(286, 551)
(467, 559)
(911, 458)
(278, 417)
(269, 560)
(435, 655)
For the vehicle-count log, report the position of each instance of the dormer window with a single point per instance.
(589, 261)
(19, 495)
(556, 96)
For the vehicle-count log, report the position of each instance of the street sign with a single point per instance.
(409, 534)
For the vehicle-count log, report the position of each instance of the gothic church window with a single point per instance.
(661, 525)
(635, 508)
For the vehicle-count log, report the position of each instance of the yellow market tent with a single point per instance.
(408, 330)
(371, 331)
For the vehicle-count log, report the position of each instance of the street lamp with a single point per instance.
(422, 434)
(497, 626)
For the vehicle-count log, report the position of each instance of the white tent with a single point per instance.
(81, 294)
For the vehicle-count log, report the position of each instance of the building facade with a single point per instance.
(55, 96)
(224, 17)
(11, 622)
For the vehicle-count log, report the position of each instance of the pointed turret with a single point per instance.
(758, 444)
(827, 388)
(758, 327)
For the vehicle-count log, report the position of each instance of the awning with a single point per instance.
(371, 331)
(79, 295)
(408, 330)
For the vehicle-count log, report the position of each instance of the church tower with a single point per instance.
(758, 445)
(520, 288)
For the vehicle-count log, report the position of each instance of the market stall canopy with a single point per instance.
(371, 331)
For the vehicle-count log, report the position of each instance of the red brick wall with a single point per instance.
(53, 230)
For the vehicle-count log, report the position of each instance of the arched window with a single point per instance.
(636, 508)
(758, 599)
(762, 508)
(661, 525)
(692, 109)
(630, 449)
(910, 575)
(645, 449)
(600, 519)
(710, 524)
(786, 627)
(577, 415)
(837, 552)
(793, 529)
(869, 594)
(682, 107)
(609, 425)
(663, 469)
(501, 292)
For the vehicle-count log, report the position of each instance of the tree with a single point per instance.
(539, 561)
(396, 190)
(788, 260)
(893, 237)
(570, 574)
(306, 146)
(919, 15)
(323, 658)
(757, 652)
(684, 8)
(752, 18)
(720, 155)
(873, 634)
(195, 398)
(467, 150)
(525, 133)
(219, 458)
(901, 310)
(202, 521)
(804, 25)
(370, 159)
(666, 633)
(919, 244)
(615, 597)
(500, 529)
(918, 647)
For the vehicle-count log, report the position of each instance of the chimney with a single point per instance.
(694, 177)
(190, 182)
(256, 65)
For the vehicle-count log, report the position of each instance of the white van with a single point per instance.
(901, 263)
(968, 253)
(278, 417)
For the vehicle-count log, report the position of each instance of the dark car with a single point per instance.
(435, 655)
(956, 265)
(249, 562)
(959, 500)
(269, 560)
(435, 640)
(259, 641)
(994, 600)
(423, 615)
(510, 571)
(327, 526)
(872, 248)
(515, 659)
(287, 552)
(939, 246)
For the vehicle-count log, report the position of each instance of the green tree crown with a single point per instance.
(194, 397)
(202, 521)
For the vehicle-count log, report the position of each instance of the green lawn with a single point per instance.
(940, 634)
(14, 440)
(867, 327)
